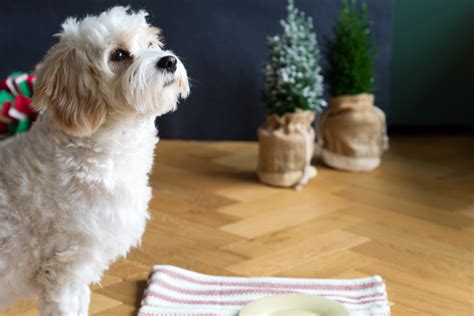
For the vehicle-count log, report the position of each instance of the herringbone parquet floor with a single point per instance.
(411, 221)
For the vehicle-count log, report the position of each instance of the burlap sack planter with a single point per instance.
(352, 133)
(285, 151)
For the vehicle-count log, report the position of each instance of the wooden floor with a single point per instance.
(411, 221)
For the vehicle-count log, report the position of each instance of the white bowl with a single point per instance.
(294, 305)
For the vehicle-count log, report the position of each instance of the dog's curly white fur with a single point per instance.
(74, 189)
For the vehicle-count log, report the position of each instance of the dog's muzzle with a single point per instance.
(167, 63)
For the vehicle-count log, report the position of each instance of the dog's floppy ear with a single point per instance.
(67, 87)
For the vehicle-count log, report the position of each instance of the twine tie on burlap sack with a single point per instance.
(308, 171)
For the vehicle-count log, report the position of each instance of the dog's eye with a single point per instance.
(119, 55)
(150, 44)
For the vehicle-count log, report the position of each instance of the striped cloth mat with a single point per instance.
(174, 291)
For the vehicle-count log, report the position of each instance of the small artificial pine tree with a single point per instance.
(293, 79)
(350, 54)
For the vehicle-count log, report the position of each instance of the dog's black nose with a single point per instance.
(167, 63)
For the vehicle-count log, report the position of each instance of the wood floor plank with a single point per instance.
(197, 233)
(291, 237)
(150, 255)
(460, 291)
(329, 265)
(426, 246)
(422, 264)
(243, 159)
(406, 224)
(264, 223)
(283, 201)
(128, 292)
(247, 191)
(122, 309)
(129, 270)
(287, 258)
(427, 302)
(187, 195)
(100, 303)
(386, 201)
(401, 310)
(436, 194)
(106, 280)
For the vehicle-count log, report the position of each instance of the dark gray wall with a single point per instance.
(222, 43)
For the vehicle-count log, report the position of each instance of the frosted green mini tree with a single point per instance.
(293, 74)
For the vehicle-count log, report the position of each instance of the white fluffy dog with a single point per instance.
(74, 189)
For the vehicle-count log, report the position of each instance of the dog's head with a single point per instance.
(105, 68)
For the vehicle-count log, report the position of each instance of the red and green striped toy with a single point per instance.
(16, 114)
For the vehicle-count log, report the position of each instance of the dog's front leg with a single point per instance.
(84, 300)
(65, 300)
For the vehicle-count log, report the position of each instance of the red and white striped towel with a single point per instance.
(174, 291)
